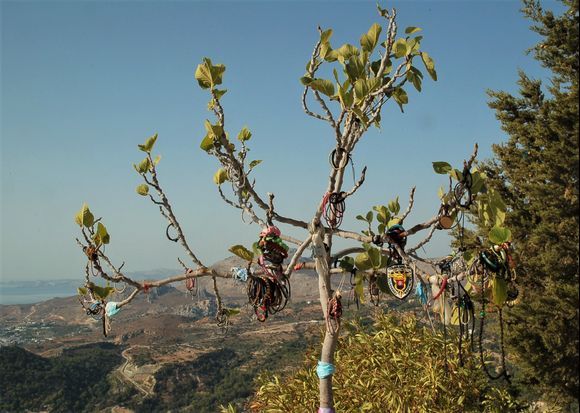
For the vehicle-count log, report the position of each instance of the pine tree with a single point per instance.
(536, 171)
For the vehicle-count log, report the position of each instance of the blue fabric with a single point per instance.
(421, 293)
(111, 308)
(325, 369)
(240, 274)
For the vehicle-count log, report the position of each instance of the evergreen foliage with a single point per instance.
(536, 171)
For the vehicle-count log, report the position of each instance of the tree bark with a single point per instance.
(330, 337)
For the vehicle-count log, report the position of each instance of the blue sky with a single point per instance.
(82, 83)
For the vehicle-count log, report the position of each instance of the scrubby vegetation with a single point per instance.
(76, 381)
(396, 365)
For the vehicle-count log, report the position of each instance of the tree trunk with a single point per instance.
(330, 337)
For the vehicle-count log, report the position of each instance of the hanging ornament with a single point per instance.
(445, 219)
(400, 280)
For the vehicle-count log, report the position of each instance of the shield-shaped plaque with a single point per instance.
(400, 280)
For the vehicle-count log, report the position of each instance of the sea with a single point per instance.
(30, 292)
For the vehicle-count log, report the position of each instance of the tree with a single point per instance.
(536, 171)
(365, 78)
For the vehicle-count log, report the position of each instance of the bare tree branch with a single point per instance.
(410, 207)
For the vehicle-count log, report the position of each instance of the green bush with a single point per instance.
(396, 365)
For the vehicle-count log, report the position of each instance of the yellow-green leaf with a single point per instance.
(429, 65)
(255, 163)
(412, 29)
(244, 134)
(101, 235)
(102, 292)
(84, 217)
(323, 86)
(400, 48)
(144, 166)
(148, 145)
(325, 36)
(209, 75)
(220, 176)
(369, 40)
(242, 252)
(442, 167)
(363, 262)
(346, 51)
(207, 143)
(499, 235)
(499, 289)
(142, 189)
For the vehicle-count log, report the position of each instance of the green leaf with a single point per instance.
(383, 214)
(148, 145)
(363, 87)
(369, 217)
(478, 182)
(207, 143)
(499, 291)
(499, 217)
(441, 167)
(255, 163)
(345, 95)
(496, 201)
(331, 56)
(215, 131)
(456, 174)
(356, 67)
(219, 93)
(429, 65)
(346, 51)
(325, 36)
(393, 221)
(363, 262)
(244, 134)
(359, 288)
(323, 86)
(346, 263)
(157, 159)
(360, 116)
(142, 189)
(242, 252)
(394, 206)
(306, 80)
(361, 218)
(375, 257)
(102, 293)
(144, 166)
(400, 97)
(84, 217)
(82, 291)
(441, 193)
(412, 29)
(499, 235)
(400, 48)
(209, 75)
(369, 40)
(220, 176)
(101, 235)
(414, 79)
